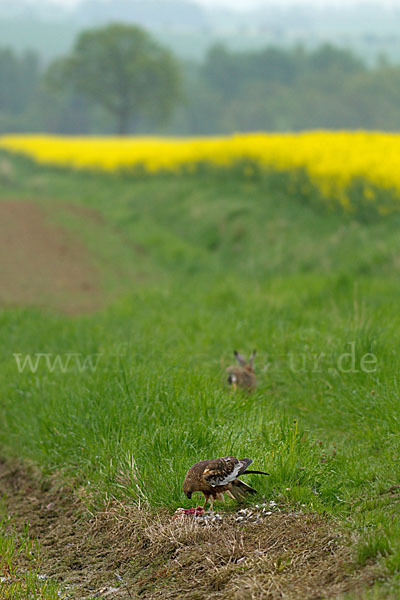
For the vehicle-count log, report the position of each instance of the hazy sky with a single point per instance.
(243, 4)
(240, 4)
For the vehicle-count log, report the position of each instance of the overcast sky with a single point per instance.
(243, 4)
(247, 3)
(240, 4)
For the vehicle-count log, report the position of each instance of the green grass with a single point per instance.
(199, 266)
(17, 582)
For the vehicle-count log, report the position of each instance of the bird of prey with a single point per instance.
(242, 376)
(218, 476)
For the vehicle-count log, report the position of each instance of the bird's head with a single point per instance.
(187, 489)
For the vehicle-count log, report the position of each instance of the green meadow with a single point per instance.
(121, 400)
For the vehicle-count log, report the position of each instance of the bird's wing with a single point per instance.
(224, 470)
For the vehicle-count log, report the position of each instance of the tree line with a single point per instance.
(118, 79)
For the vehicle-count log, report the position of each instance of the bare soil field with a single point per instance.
(42, 264)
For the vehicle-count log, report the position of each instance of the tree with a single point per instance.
(19, 77)
(330, 58)
(122, 69)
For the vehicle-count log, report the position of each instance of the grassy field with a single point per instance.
(190, 269)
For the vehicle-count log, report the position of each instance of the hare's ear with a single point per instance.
(241, 359)
(252, 357)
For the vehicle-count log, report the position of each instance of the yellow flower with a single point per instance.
(331, 159)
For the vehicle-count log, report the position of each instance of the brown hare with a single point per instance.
(243, 376)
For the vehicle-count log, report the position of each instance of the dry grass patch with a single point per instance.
(285, 556)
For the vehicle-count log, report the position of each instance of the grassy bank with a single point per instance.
(193, 268)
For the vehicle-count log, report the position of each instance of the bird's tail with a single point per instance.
(240, 490)
(256, 472)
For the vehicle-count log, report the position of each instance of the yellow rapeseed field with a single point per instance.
(332, 159)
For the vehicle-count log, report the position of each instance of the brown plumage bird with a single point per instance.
(242, 376)
(215, 477)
